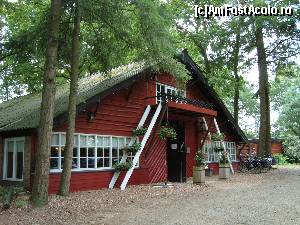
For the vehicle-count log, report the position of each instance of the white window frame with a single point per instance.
(95, 155)
(14, 139)
(208, 149)
(167, 87)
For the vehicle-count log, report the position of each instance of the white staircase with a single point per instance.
(143, 143)
(224, 147)
(124, 157)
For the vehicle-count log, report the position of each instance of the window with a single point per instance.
(169, 90)
(13, 159)
(90, 152)
(212, 156)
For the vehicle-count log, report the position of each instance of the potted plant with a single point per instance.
(122, 166)
(199, 168)
(166, 132)
(224, 167)
(139, 132)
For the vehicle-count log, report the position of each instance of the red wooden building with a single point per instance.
(108, 109)
(276, 146)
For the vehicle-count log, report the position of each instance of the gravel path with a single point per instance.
(269, 199)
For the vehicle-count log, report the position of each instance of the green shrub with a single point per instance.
(281, 159)
(20, 203)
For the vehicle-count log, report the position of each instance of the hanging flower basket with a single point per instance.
(139, 132)
(134, 148)
(122, 166)
(167, 132)
(217, 137)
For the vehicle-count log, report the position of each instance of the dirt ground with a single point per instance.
(265, 199)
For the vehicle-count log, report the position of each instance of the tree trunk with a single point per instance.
(39, 195)
(66, 174)
(236, 76)
(265, 127)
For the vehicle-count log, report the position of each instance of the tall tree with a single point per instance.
(68, 152)
(39, 195)
(265, 126)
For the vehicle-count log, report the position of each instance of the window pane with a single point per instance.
(99, 163)
(10, 160)
(74, 163)
(20, 146)
(82, 141)
(62, 139)
(76, 140)
(106, 141)
(82, 162)
(128, 140)
(91, 152)
(106, 152)
(106, 162)
(114, 142)
(62, 151)
(121, 143)
(114, 152)
(83, 152)
(99, 152)
(55, 139)
(75, 152)
(115, 161)
(91, 141)
(54, 151)
(54, 163)
(99, 141)
(91, 162)
(19, 164)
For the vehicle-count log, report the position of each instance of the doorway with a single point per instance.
(176, 154)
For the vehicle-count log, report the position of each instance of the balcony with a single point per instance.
(180, 104)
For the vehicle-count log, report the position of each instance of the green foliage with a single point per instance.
(113, 32)
(166, 132)
(281, 159)
(134, 148)
(122, 166)
(200, 158)
(285, 94)
(292, 148)
(139, 132)
(223, 161)
(20, 203)
(217, 137)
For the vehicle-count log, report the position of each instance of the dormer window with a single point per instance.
(165, 92)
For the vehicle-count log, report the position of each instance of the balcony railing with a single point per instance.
(179, 99)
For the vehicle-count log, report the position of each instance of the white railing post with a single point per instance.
(124, 157)
(143, 143)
